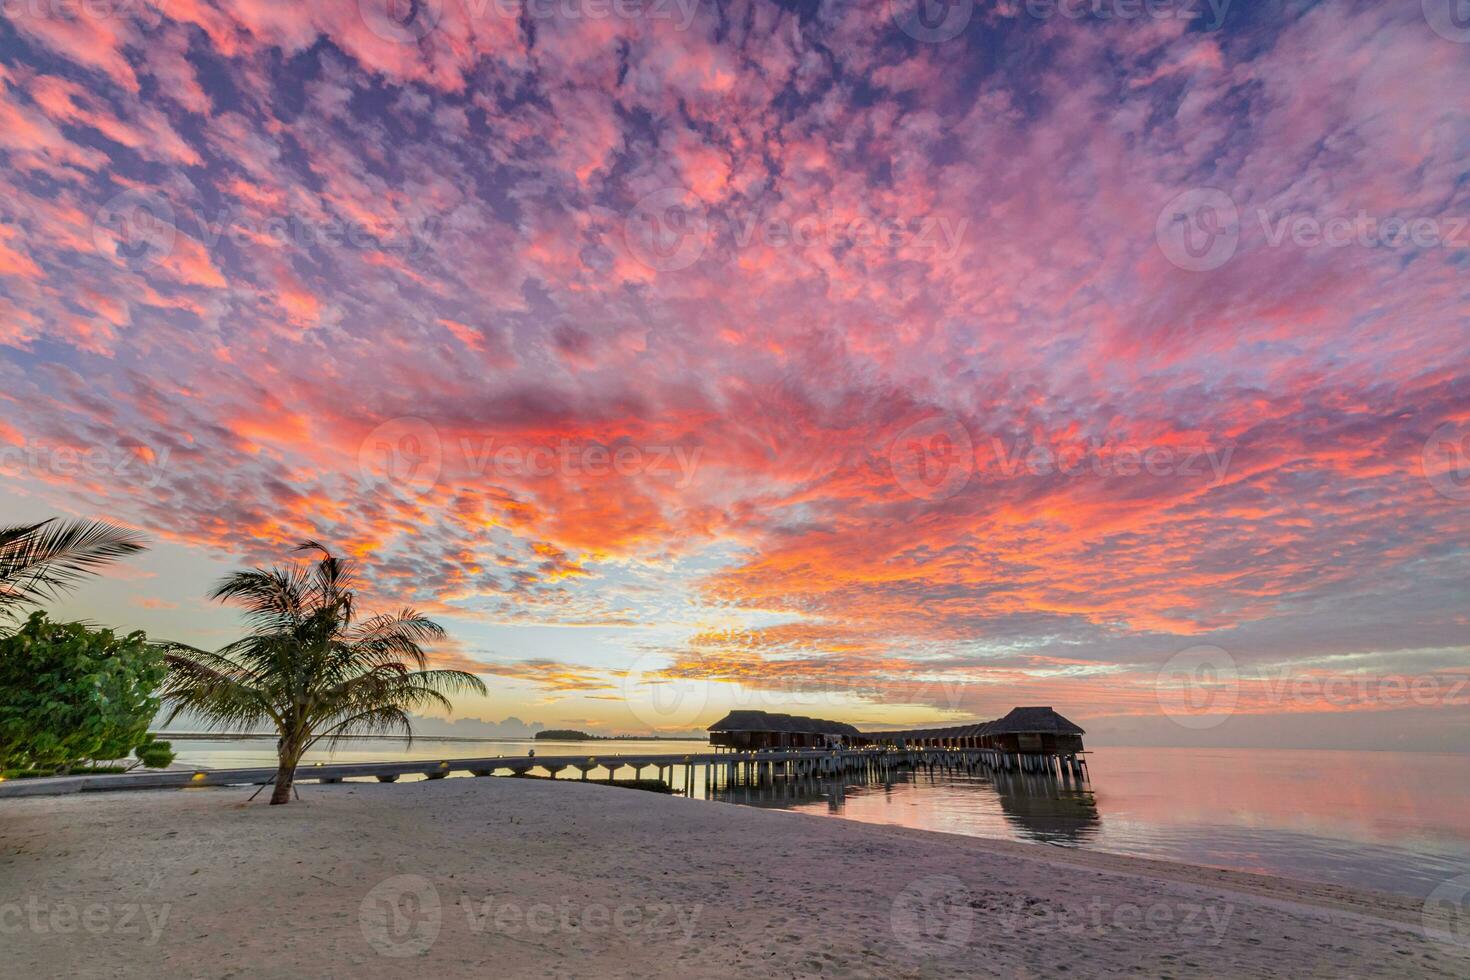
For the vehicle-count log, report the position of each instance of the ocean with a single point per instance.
(1393, 821)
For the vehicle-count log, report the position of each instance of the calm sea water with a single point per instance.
(1393, 821)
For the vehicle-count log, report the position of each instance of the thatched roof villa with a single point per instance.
(744, 730)
(1024, 730)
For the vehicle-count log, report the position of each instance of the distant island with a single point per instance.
(572, 735)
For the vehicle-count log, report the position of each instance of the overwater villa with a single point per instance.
(746, 731)
(1028, 730)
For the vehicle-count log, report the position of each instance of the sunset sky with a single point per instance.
(838, 358)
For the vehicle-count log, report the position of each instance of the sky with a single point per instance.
(888, 363)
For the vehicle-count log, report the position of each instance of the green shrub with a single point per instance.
(154, 753)
(70, 693)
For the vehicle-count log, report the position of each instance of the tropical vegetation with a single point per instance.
(71, 694)
(310, 666)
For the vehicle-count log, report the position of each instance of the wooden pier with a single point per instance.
(716, 768)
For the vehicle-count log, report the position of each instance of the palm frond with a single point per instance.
(215, 690)
(270, 597)
(406, 622)
(38, 561)
(332, 580)
(380, 720)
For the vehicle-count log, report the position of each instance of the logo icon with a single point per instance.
(404, 454)
(1199, 229)
(401, 21)
(1446, 915)
(932, 21)
(933, 916)
(934, 458)
(1198, 686)
(1446, 460)
(662, 702)
(667, 230)
(136, 227)
(1450, 19)
(401, 916)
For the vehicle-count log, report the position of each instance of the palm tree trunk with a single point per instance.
(285, 775)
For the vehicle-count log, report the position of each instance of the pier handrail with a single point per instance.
(433, 768)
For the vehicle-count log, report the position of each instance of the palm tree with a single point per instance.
(39, 561)
(308, 666)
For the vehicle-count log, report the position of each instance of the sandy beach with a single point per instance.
(504, 877)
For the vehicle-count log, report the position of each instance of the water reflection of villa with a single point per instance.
(1043, 809)
(988, 803)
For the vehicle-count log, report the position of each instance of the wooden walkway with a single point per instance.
(752, 768)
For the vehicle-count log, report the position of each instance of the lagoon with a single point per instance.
(1391, 821)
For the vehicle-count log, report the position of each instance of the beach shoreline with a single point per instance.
(466, 877)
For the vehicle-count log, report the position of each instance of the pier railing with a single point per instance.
(728, 767)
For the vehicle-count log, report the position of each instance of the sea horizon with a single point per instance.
(1311, 814)
(1094, 743)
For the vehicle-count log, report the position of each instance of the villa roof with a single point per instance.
(1034, 720)
(1029, 721)
(764, 721)
(1020, 721)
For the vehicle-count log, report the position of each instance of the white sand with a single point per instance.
(512, 878)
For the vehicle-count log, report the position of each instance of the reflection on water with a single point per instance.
(1388, 820)
(1019, 806)
(1048, 810)
(1396, 822)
